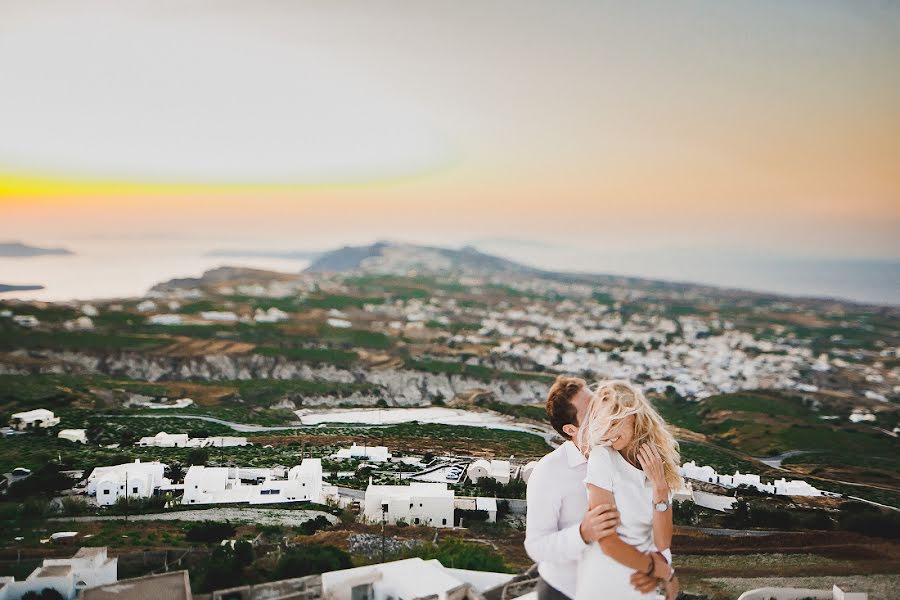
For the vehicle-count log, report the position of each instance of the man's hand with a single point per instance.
(599, 522)
(644, 583)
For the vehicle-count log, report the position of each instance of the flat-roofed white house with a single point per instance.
(488, 505)
(181, 440)
(165, 440)
(408, 579)
(33, 419)
(370, 453)
(429, 504)
(497, 470)
(220, 485)
(73, 435)
(88, 568)
(129, 480)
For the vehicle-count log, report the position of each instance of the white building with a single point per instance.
(525, 472)
(370, 453)
(219, 485)
(219, 315)
(26, 320)
(165, 440)
(409, 579)
(488, 505)
(429, 504)
(498, 470)
(181, 440)
(272, 315)
(32, 419)
(81, 323)
(129, 480)
(88, 568)
(782, 487)
(165, 319)
(73, 435)
(146, 306)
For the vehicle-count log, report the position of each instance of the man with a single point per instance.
(558, 524)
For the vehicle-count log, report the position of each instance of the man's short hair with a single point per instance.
(560, 409)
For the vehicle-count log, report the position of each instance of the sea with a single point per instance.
(121, 268)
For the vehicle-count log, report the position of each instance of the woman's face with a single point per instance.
(620, 434)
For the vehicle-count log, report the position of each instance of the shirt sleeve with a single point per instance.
(599, 468)
(544, 540)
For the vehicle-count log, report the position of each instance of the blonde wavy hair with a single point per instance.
(614, 400)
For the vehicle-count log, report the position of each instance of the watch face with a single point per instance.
(662, 506)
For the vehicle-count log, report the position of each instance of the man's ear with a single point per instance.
(570, 430)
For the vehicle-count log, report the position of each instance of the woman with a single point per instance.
(632, 463)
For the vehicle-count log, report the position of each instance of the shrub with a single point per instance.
(311, 560)
(458, 554)
(209, 532)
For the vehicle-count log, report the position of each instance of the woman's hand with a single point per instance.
(671, 588)
(652, 464)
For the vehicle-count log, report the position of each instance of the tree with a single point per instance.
(45, 481)
(222, 570)
(313, 559)
(175, 472)
(243, 553)
(198, 456)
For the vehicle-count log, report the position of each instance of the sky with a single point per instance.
(608, 128)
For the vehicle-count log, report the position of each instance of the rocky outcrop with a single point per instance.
(398, 387)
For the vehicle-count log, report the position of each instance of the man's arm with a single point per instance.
(544, 541)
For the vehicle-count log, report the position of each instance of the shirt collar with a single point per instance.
(573, 454)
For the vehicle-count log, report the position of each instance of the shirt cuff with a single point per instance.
(575, 541)
(668, 554)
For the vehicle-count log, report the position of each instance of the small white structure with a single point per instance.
(429, 504)
(339, 323)
(33, 419)
(498, 470)
(164, 440)
(860, 415)
(220, 485)
(26, 320)
(218, 441)
(488, 505)
(370, 453)
(272, 315)
(769, 593)
(146, 306)
(525, 472)
(81, 323)
(166, 319)
(797, 487)
(88, 568)
(129, 480)
(219, 315)
(73, 435)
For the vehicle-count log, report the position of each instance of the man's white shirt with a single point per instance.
(557, 502)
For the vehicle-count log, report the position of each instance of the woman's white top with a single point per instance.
(599, 576)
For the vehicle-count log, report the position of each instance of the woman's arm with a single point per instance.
(651, 462)
(612, 545)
